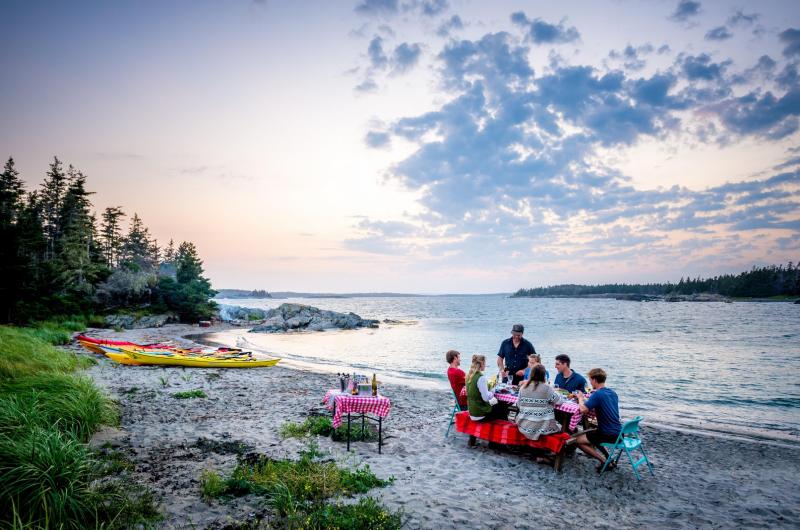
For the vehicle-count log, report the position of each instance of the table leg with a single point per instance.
(348, 432)
(380, 434)
(362, 426)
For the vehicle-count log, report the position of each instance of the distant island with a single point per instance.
(242, 293)
(764, 282)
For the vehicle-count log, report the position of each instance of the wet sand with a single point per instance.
(701, 481)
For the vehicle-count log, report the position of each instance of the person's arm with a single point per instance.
(500, 361)
(484, 390)
(586, 404)
(460, 379)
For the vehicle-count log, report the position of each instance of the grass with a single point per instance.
(49, 478)
(298, 490)
(189, 394)
(322, 426)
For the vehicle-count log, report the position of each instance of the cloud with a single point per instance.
(632, 58)
(541, 32)
(685, 10)
(700, 67)
(512, 160)
(454, 23)
(718, 34)
(766, 114)
(367, 85)
(405, 57)
(432, 8)
(377, 139)
(377, 57)
(377, 8)
(791, 38)
(740, 18)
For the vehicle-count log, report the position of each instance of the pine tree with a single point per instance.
(169, 252)
(76, 269)
(189, 266)
(12, 264)
(111, 235)
(136, 249)
(51, 198)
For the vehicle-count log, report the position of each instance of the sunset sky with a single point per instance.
(427, 146)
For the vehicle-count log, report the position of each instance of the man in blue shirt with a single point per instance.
(605, 404)
(566, 378)
(514, 351)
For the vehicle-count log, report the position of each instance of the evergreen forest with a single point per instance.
(759, 282)
(57, 258)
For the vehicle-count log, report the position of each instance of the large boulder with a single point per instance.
(235, 313)
(299, 317)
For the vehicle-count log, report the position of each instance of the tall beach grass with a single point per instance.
(47, 414)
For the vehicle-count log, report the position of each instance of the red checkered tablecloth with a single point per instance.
(569, 407)
(343, 403)
(506, 432)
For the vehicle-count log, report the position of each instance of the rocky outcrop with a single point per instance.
(698, 297)
(137, 322)
(298, 317)
(235, 313)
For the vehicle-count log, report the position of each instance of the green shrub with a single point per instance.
(367, 514)
(189, 394)
(211, 485)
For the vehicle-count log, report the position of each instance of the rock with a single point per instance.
(231, 313)
(134, 322)
(298, 317)
(697, 297)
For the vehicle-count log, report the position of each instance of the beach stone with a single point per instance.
(299, 317)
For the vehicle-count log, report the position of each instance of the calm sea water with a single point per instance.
(721, 367)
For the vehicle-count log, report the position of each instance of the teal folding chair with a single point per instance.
(456, 410)
(627, 441)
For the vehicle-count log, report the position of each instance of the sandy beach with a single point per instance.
(701, 481)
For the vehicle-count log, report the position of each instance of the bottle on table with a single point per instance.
(374, 385)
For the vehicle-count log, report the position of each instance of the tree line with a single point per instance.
(57, 259)
(759, 282)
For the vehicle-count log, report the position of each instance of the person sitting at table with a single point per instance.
(533, 360)
(605, 404)
(481, 403)
(566, 378)
(535, 402)
(456, 377)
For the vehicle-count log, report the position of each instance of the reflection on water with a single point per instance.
(730, 367)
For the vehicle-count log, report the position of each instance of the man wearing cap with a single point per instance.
(514, 352)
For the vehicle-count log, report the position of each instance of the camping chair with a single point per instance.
(456, 410)
(627, 441)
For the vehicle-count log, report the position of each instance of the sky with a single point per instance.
(425, 146)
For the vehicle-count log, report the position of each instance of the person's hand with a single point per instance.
(493, 401)
(520, 373)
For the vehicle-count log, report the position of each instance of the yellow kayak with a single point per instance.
(170, 359)
(122, 358)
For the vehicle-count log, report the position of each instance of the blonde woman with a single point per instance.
(481, 403)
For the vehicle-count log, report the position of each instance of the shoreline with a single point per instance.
(700, 481)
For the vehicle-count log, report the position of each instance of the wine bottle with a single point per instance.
(374, 385)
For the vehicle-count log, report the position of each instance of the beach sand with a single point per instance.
(701, 481)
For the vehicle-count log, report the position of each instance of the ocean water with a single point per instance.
(730, 368)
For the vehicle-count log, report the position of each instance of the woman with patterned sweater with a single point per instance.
(536, 402)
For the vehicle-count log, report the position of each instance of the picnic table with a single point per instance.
(345, 403)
